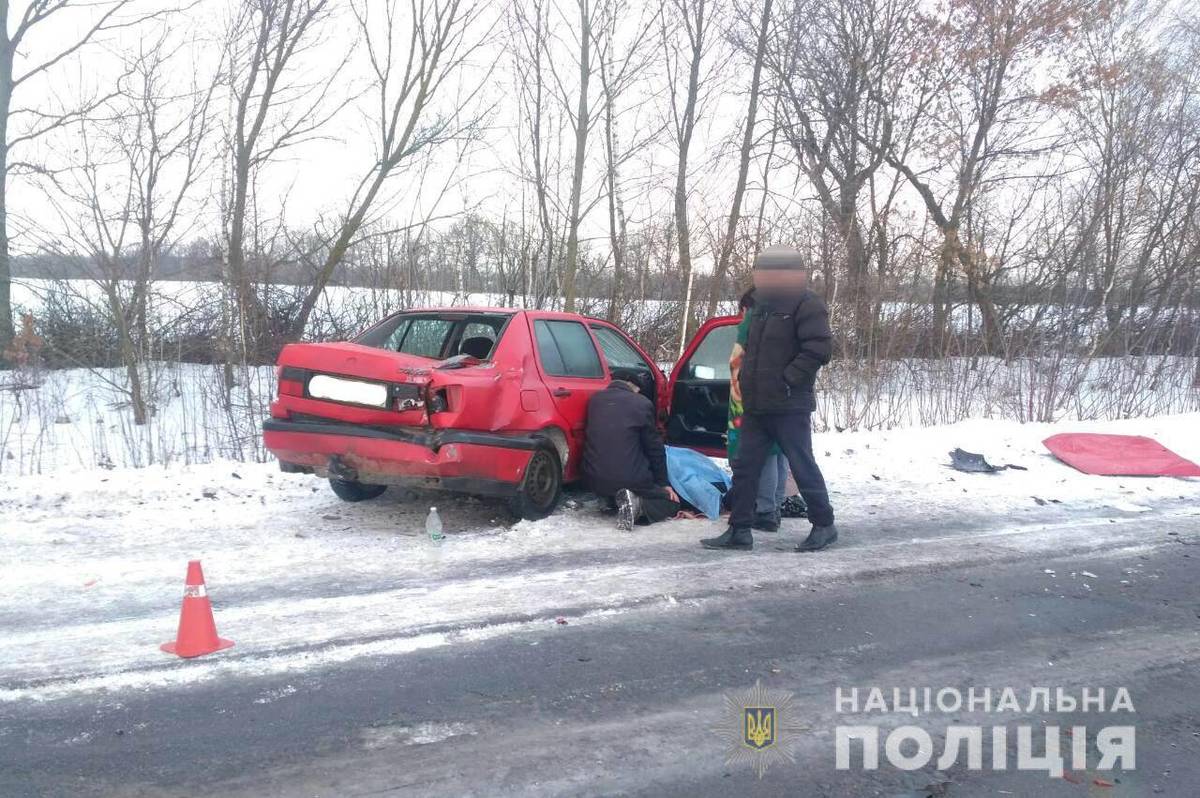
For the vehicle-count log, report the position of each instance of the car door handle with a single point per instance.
(561, 392)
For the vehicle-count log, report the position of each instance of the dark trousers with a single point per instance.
(793, 433)
(656, 505)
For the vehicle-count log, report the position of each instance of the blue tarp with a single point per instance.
(695, 478)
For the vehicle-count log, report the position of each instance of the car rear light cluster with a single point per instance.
(290, 380)
(436, 400)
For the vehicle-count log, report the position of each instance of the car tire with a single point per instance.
(541, 488)
(349, 491)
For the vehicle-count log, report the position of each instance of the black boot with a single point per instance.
(819, 538)
(737, 539)
(766, 522)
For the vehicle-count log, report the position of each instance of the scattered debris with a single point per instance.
(1089, 574)
(972, 463)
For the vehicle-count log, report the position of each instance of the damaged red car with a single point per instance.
(481, 401)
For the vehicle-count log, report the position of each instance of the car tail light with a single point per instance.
(436, 400)
(290, 380)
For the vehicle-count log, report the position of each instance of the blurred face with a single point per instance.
(780, 280)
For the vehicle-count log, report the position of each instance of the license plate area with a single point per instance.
(354, 392)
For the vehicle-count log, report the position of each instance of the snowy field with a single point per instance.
(80, 419)
(93, 564)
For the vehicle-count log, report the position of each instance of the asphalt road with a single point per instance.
(628, 705)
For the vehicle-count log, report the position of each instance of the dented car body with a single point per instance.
(487, 401)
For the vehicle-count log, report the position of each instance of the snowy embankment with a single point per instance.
(80, 419)
(92, 567)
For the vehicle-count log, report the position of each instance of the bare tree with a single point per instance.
(745, 151)
(581, 123)
(123, 198)
(973, 106)
(621, 66)
(537, 145)
(827, 60)
(686, 27)
(412, 52)
(23, 125)
(273, 108)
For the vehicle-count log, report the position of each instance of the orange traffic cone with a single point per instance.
(197, 630)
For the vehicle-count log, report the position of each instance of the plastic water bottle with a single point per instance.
(433, 525)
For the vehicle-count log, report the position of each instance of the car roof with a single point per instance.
(459, 309)
(507, 311)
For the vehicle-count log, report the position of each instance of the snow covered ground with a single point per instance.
(73, 420)
(92, 562)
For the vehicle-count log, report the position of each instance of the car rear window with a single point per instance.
(566, 349)
(436, 336)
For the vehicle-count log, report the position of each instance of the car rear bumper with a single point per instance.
(460, 460)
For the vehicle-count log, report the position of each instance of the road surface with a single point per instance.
(598, 667)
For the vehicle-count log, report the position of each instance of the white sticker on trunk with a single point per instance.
(322, 386)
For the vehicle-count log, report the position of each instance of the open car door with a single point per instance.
(698, 390)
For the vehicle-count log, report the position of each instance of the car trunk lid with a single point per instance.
(349, 375)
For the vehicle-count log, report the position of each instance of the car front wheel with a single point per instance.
(349, 491)
(538, 495)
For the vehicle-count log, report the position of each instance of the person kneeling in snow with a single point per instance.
(624, 458)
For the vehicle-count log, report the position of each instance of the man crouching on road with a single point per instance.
(624, 458)
(789, 340)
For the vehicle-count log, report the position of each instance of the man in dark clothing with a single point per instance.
(788, 342)
(624, 459)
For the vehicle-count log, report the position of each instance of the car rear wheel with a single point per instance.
(349, 491)
(538, 495)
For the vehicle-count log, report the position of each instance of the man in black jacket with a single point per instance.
(788, 342)
(624, 459)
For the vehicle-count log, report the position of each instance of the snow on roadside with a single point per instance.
(91, 565)
(80, 419)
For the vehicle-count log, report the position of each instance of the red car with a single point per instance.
(483, 401)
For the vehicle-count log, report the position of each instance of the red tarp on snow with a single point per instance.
(1119, 455)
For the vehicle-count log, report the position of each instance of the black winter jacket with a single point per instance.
(785, 348)
(623, 448)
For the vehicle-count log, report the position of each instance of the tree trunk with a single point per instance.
(582, 117)
(250, 317)
(129, 355)
(940, 334)
(721, 268)
(687, 127)
(7, 329)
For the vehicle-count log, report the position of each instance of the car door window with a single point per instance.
(710, 361)
(617, 351)
(566, 349)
